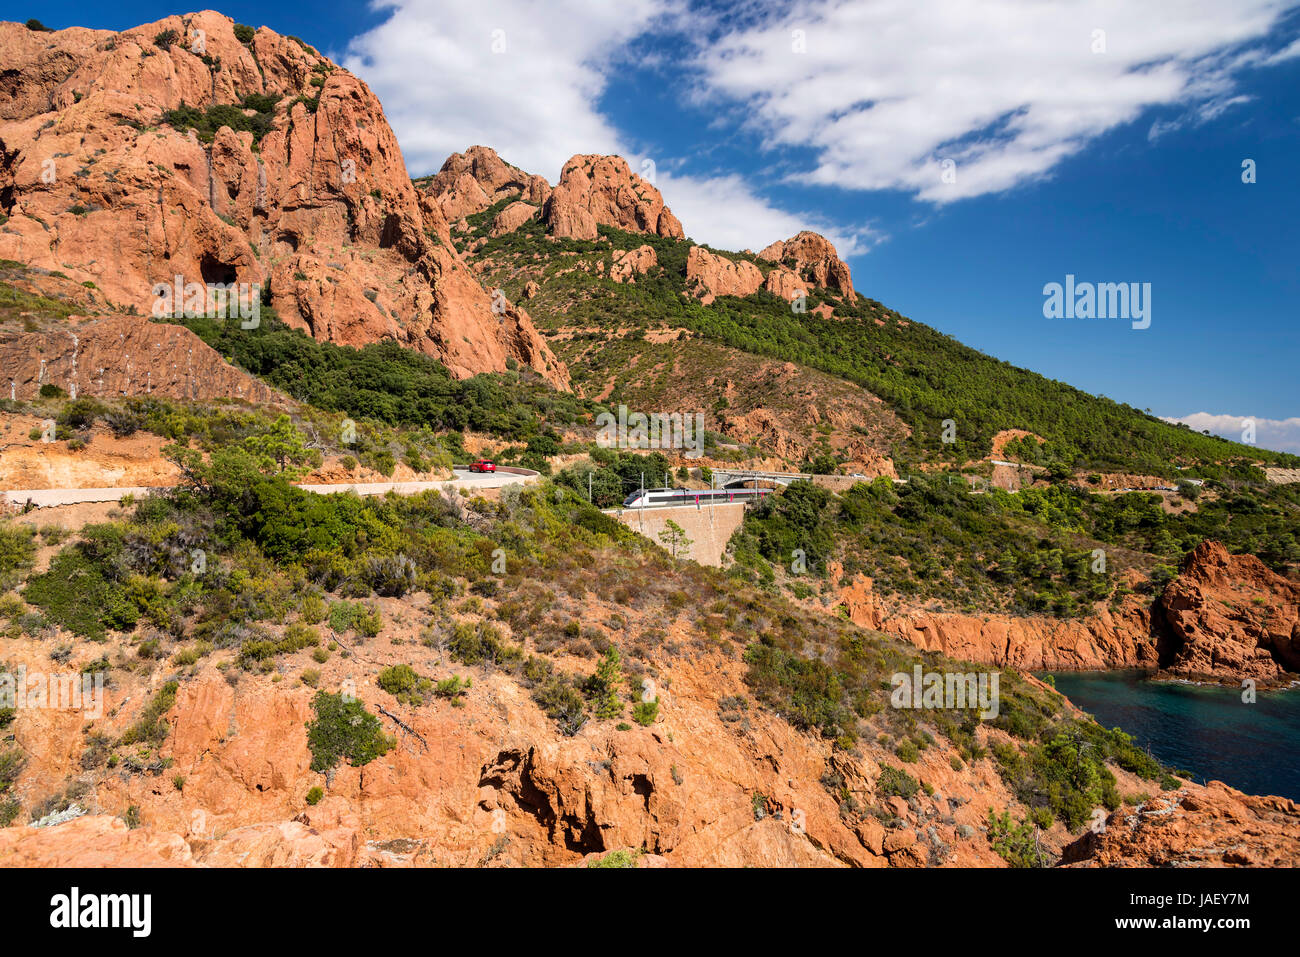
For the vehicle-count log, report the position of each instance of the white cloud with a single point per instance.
(1281, 435)
(1290, 52)
(1007, 89)
(444, 88)
(723, 212)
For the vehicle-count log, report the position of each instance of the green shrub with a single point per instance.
(1014, 842)
(453, 689)
(151, 728)
(894, 782)
(602, 687)
(11, 765)
(616, 859)
(313, 610)
(343, 728)
(17, 548)
(562, 702)
(314, 795)
(398, 679)
(480, 643)
(645, 712)
(75, 594)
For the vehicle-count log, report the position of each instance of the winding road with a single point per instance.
(48, 497)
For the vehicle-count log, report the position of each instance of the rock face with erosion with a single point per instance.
(1230, 617)
(710, 275)
(602, 191)
(471, 181)
(1211, 826)
(1120, 638)
(95, 183)
(1224, 619)
(630, 263)
(123, 355)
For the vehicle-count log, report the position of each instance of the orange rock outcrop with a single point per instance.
(813, 258)
(1225, 618)
(124, 355)
(710, 275)
(1230, 616)
(603, 191)
(1210, 826)
(96, 184)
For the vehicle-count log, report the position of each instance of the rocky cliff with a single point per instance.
(1225, 618)
(1230, 616)
(593, 191)
(490, 782)
(1211, 826)
(710, 275)
(311, 203)
(813, 259)
(123, 355)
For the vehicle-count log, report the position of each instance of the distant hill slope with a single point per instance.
(628, 283)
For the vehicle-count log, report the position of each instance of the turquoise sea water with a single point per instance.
(1202, 729)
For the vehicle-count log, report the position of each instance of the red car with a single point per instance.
(482, 465)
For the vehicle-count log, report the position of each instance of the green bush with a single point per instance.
(616, 859)
(404, 684)
(602, 687)
(645, 712)
(895, 782)
(562, 702)
(17, 549)
(341, 729)
(453, 689)
(1014, 842)
(151, 728)
(75, 593)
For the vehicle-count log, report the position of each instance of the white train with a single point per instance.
(651, 497)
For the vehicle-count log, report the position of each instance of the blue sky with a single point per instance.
(1087, 138)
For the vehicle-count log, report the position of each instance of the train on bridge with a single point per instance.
(661, 497)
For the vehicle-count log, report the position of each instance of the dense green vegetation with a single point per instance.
(1261, 520)
(206, 122)
(927, 540)
(1054, 550)
(387, 383)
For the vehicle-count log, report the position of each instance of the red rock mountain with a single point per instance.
(812, 257)
(94, 183)
(471, 181)
(593, 191)
(599, 191)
